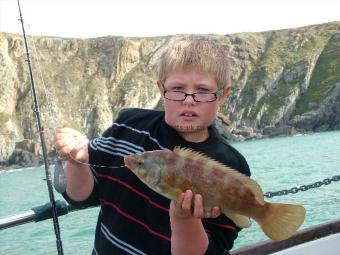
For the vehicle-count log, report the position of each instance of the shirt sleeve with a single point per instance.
(94, 159)
(92, 200)
(222, 233)
(97, 162)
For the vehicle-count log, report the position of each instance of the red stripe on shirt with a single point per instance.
(227, 226)
(134, 190)
(126, 215)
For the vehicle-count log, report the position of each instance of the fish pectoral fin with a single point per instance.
(240, 220)
(168, 191)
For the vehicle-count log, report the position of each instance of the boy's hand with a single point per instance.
(190, 206)
(71, 145)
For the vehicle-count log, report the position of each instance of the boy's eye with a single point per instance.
(205, 90)
(176, 88)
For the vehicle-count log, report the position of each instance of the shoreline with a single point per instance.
(4, 167)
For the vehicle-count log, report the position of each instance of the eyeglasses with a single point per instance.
(202, 97)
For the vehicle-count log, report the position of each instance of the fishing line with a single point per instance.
(47, 93)
(42, 139)
(93, 165)
(87, 164)
(49, 108)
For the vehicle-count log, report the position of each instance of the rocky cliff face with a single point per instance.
(282, 81)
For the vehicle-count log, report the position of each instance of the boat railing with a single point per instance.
(300, 237)
(36, 214)
(44, 212)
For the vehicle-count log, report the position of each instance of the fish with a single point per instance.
(239, 197)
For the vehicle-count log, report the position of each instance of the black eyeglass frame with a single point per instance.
(216, 94)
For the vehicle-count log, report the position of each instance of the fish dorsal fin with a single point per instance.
(191, 154)
(203, 159)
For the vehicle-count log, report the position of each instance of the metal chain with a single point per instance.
(294, 190)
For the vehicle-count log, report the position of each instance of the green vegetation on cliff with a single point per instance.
(324, 77)
(279, 78)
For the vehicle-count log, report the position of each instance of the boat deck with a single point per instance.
(329, 245)
(320, 239)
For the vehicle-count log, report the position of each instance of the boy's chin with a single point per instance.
(188, 128)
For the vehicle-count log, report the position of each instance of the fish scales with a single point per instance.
(238, 196)
(212, 183)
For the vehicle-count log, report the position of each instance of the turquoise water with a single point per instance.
(279, 163)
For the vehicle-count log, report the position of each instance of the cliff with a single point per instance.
(284, 81)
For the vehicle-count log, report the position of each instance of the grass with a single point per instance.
(326, 74)
(283, 50)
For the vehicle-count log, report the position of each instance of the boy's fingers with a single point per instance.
(198, 208)
(178, 203)
(67, 142)
(61, 142)
(64, 145)
(215, 212)
(77, 149)
(173, 205)
(187, 202)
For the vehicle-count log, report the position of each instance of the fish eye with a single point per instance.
(140, 162)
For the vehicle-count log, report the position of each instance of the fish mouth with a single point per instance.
(128, 161)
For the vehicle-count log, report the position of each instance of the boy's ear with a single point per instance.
(159, 85)
(226, 93)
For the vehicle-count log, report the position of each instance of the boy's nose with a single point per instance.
(189, 99)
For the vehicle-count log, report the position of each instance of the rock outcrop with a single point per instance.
(284, 82)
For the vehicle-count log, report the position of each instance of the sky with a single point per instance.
(96, 18)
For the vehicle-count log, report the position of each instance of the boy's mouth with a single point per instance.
(188, 114)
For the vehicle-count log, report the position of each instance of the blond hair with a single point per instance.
(195, 52)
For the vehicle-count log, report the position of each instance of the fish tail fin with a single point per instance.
(281, 221)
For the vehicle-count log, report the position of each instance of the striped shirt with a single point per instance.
(133, 218)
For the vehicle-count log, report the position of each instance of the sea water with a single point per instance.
(276, 164)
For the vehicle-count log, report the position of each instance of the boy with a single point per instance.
(193, 81)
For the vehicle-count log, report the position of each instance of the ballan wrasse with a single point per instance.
(240, 198)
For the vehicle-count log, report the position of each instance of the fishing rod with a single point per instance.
(43, 143)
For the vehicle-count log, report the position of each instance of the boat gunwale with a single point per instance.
(302, 236)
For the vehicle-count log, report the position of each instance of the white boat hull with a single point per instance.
(328, 245)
